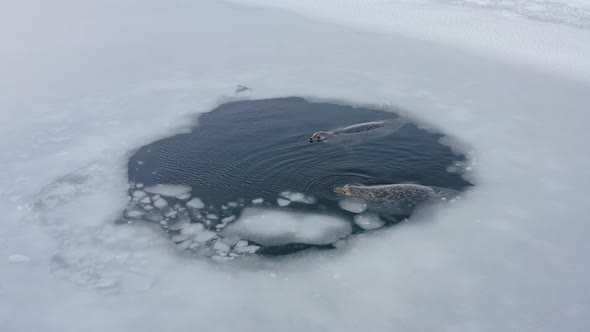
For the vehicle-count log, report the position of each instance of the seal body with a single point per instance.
(396, 198)
(358, 128)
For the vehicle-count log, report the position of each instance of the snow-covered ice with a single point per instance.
(257, 201)
(274, 228)
(86, 83)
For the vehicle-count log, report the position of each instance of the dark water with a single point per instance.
(258, 149)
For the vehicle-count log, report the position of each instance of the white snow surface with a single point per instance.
(275, 227)
(85, 83)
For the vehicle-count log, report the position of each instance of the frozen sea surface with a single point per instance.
(86, 83)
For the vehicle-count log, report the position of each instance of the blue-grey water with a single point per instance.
(257, 149)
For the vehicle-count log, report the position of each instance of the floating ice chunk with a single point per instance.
(18, 258)
(160, 203)
(139, 185)
(247, 249)
(274, 227)
(138, 194)
(228, 219)
(171, 214)
(220, 246)
(257, 200)
(241, 243)
(195, 203)
(211, 216)
(283, 202)
(146, 200)
(354, 205)
(297, 197)
(134, 214)
(368, 220)
(192, 229)
(232, 204)
(170, 190)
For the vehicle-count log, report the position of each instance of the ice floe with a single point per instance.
(354, 205)
(170, 190)
(368, 221)
(195, 203)
(298, 197)
(273, 227)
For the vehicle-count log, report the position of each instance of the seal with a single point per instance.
(401, 191)
(358, 128)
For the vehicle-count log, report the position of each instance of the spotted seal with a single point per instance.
(358, 128)
(399, 198)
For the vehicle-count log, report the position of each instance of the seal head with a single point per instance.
(345, 191)
(319, 136)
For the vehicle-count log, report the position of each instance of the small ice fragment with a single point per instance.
(170, 190)
(211, 216)
(139, 185)
(220, 246)
(232, 204)
(195, 203)
(148, 207)
(18, 258)
(223, 207)
(171, 214)
(146, 200)
(228, 219)
(160, 203)
(134, 214)
(241, 243)
(354, 205)
(297, 197)
(368, 221)
(192, 229)
(283, 202)
(138, 194)
(247, 249)
(258, 200)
